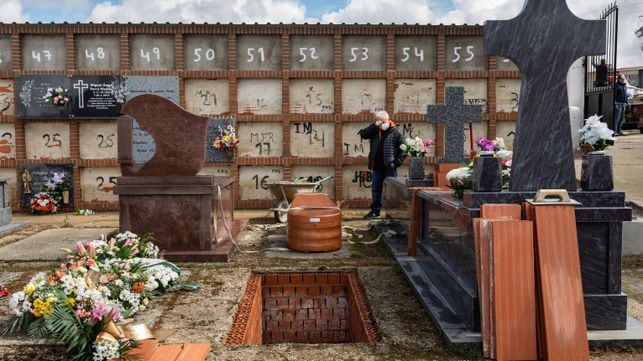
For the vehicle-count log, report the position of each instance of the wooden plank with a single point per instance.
(500, 211)
(563, 309)
(513, 292)
(194, 352)
(144, 350)
(166, 353)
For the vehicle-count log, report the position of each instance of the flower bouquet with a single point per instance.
(416, 147)
(594, 136)
(57, 96)
(226, 140)
(4, 292)
(460, 180)
(43, 203)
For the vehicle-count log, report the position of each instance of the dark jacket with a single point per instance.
(620, 92)
(393, 155)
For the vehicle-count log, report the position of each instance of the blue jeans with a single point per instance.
(619, 117)
(377, 184)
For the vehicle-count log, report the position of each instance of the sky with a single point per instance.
(329, 11)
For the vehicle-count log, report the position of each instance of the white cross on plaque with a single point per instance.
(81, 86)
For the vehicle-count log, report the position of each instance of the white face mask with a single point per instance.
(385, 126)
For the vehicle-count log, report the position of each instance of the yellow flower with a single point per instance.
(42, 308)
(29, 289)
(71, 301)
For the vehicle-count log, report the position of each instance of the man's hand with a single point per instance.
(378, 122)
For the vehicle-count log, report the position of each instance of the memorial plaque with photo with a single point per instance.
(165, 86)
(33, 178)
(95, 96)
(211, 154)
(31, 91)
(206, 52)
(311, 53)
(7, 97)
(98, 52)
(5, 53)
(257, 52)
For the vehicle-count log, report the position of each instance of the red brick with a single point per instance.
(309, 325)
(314, 336)
(276, 291)
(283, 279)
(342, 324)
(327, 336)
(334, 278)
(297, 325)
(269, 303)
(282, 303)
(326, 290)
(302, 336)
(301, 314)
(331, 301)
(314, 314)
(271, 279)
(277, 336)
(339, 336)
(294, 303)
(326, 313)
(276, 315)
(289, 314)
(319, 303)
(290, 336)
(272, 325)
(344, 278)
(289, 291)
(306, 303)
(266, 337)
(321, 278)
(342, 302)
(296, 278)
(334, 325)
(309, 278)
(321, 325)
(301, 290)
(339, 313)
(283, 325)
(313, 291)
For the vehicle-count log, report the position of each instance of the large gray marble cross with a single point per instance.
(454, 113)
(544, 40)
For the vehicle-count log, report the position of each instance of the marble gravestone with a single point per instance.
(161, 148)
(543, 41)
(454, 114)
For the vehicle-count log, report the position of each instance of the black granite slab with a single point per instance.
(30, 92)
(487, 174)
(543, 41)
(40, 174)
(597, 173)
(95, 97)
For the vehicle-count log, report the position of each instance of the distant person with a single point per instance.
(601, 74)
(620, 103)
(384, 157)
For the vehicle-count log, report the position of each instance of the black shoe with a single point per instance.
(371, 215)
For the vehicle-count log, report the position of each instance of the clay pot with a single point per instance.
(315, 229)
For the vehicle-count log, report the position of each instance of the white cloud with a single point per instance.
(11, 10)
(200, 11)
(381, 11)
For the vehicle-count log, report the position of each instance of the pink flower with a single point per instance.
(80, 248)
(91, 249)
(98, 312)
(114, 314)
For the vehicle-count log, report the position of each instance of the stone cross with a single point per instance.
(454, 113)
(544, 40)
(81, 86)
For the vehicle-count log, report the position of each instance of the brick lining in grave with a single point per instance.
(322, 307)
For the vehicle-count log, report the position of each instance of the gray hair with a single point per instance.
(382, 114)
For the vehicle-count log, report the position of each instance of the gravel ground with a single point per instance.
(207, 314)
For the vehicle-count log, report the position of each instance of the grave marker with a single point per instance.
(98, 140)
(98, 52)
(48, 140)
(260, 139)
(454, 114)
(415, 53)
(257, 52)
(95, 96)
(41, 174)
(364, 53)
(465, 53)
(311, 53)
(206, 52)
(544, 40)
(152, 52)
(211, 154)
(43, 52)
(31, 90)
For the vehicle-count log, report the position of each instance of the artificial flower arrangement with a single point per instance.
(594, 136)
(416, 147)
(43, 203)
(100, 284)
(57, 96)
(57, 183)
(226, 139)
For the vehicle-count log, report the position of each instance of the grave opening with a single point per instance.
(303, 307)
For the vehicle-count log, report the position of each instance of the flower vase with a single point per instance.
(416, 168)
(229, 155)
(487, 174)
(597, 172)
(65, 195)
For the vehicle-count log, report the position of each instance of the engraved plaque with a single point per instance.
(357, 182)
(363, 96)
(465, 53)
(253, 181)
(40, 175)
(313, 174)
(415, 53)
(311, 53)
(152, 52)
(207, 97)
(98, 140)
(259, 52)
(7, 141)
(260, 139)
(165, 86)
(43, 52)
(7, 97)
(475, 90)
(31, 92)
(5, 53)
(507, 95)
(312, 140)
(259, 96)
(98, 52)
(98, 184)
(413, 95)
(364, 53)
(47, 140)
(206, 52)
(311, 96)
(95, 96)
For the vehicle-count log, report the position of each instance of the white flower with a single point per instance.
(499, 143)
(16, 303)
(461, 173)
(403, 147)
(504, 153)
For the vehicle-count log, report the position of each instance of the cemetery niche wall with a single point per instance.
(297, 94)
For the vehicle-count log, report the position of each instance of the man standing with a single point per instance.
(384, 156)
(620, 102)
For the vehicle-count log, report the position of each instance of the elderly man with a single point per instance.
(384, 156)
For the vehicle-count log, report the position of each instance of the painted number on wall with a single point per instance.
(53, 140)
(146, 54)
(111, 182)
(93, 55)
(358, 53)
(262, 142)
(263, 181)
(208, 54)
(251, 54)
(43, 55)
(417, 52)
(312, 53)
(314, 136)
(105, 141)
(458, 49)
(208, 98)
(363, 178)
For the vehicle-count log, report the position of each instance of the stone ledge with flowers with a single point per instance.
(417, 149)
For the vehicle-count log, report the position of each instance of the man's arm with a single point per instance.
(368, 132)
